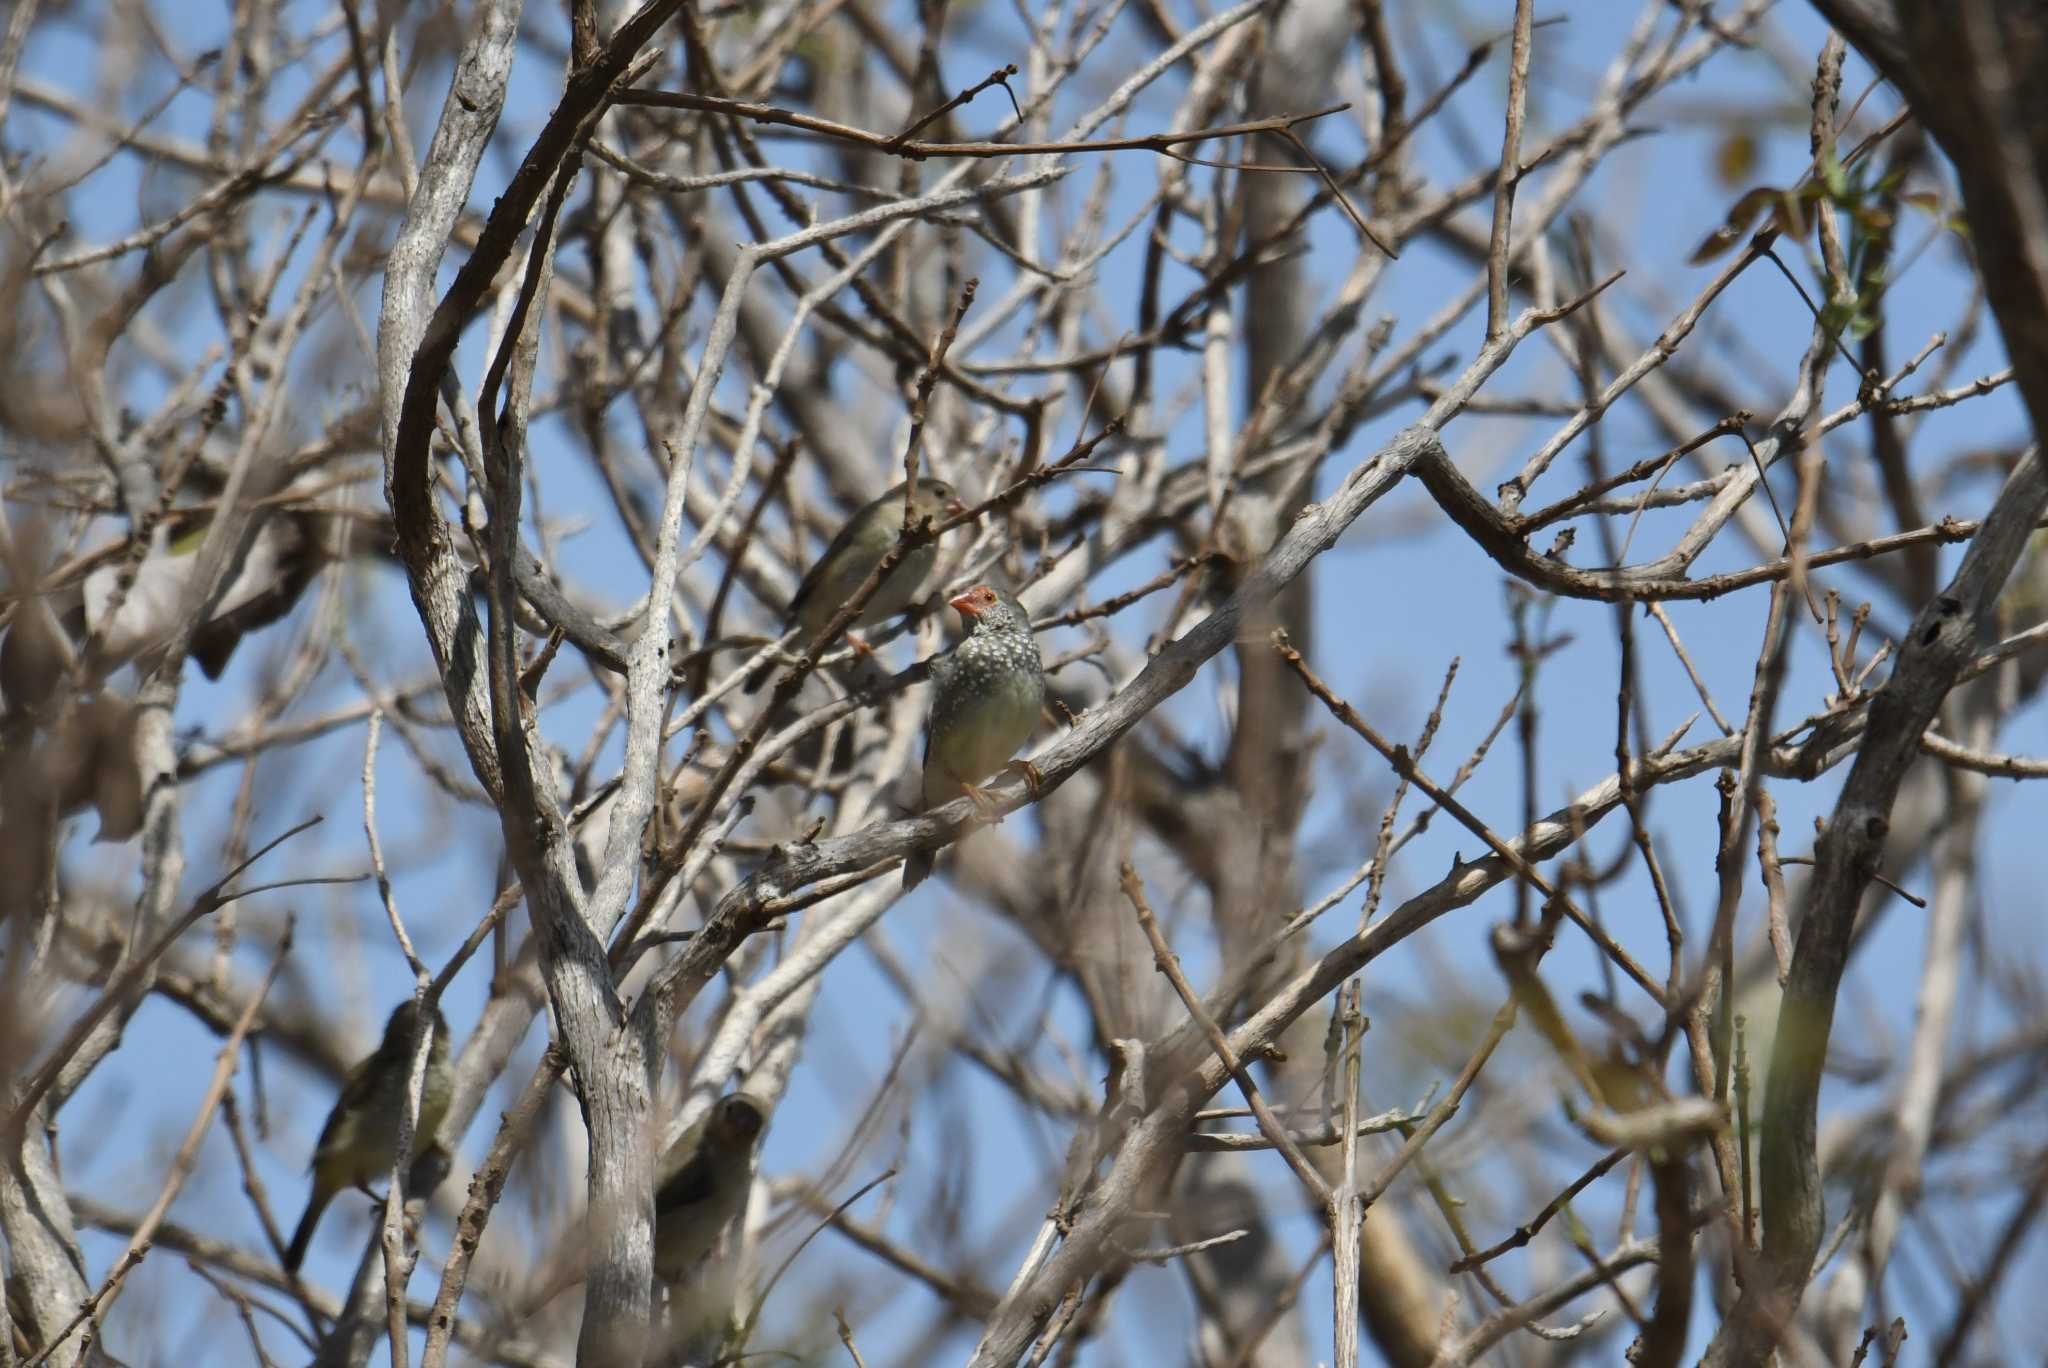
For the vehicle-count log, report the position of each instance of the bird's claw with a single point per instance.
(984, 803)
(1034, 782)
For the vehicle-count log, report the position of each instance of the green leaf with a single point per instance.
(1833, 177)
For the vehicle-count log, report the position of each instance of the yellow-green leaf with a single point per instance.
(1741, 215)
(1735, 158)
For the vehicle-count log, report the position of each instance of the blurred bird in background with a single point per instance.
(853, 556)
(702, 1182)
(360, 1140)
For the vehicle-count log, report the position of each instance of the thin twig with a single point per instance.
(1510, 174)
(1164, 143)
(1168, 964)
(181, 1163)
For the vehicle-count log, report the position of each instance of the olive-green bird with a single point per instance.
(852, 557)
(986, 696)
(360, 1140)
(701, 1184)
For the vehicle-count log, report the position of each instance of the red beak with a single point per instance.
(967, 604)
(954, 508)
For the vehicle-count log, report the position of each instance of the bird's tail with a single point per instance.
(917, 867)
(303, 1236)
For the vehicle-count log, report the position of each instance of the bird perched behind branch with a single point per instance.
(701, 1183)
(986, 696)
(360, 1140)
(854, 554)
